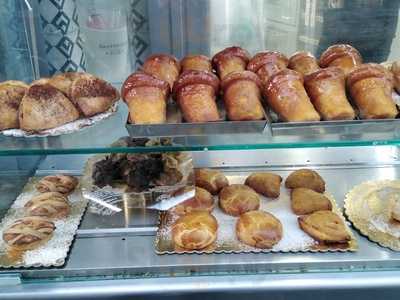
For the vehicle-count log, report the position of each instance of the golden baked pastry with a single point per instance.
(195, 230)
(210, 180)
(394, 209)
(259, 229)
(163, 66)
(268, 63)
(305, 201)
(28, 233)
(52, 205)
(303, 62)
(11, 93)
(232, 59)
(324, 226)
(342, 56)
(305, 178)
(395, 69)
(237, 199)
(267, 184)
(196, 63)
(202, 200)
(63, 184)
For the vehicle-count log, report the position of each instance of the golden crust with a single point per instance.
(64, 184)
(210, 180)
(163, 66)
(196, 62)
(51, 205)
(11, 94)
(267, 184)
(305, 201)
(305, 178)
(237, 199)
(202, 200)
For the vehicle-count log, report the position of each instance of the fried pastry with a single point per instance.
(395, 69)
(162, 66)
(266, 64)
(202, 200)
(259, 229)
(342, 56)
(211, 180)
(196, 63)
(267, 184)
(232, 59)
(303, 62)
(305, 178)
(325, 227)
(11, 93)
(305, 201)
(64, 184)
(237, 199)
(51, 205)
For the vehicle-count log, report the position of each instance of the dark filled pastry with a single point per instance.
(64, 184)
(286, 95)
(11, 93)
(305, 178)
(51, 205)
(306, 201)
(395, 68)
(195, 92)
(232, 59)
(342, 56)
(266, 184)
(196, 63)
(327, 91)
(371, 90)
(303, 62)
(211, 180)
(266, 64)
(162, 66)
(202, 200)
(237, 199)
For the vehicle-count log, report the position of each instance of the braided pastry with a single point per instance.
(63, 184)
(51, 205)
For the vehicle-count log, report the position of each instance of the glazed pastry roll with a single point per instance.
(196, 63)
(242, 96)
(232, 59)
(195, 92)
(286, 95)
(163, 66)
(211, 180)
(396, 75)
(327, 91)
(371, 90)
(303, 62)
(11, 93)
(266, 64)
(342, 56)
(146, 97)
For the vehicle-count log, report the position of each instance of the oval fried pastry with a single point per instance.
(305, 201)
(237, 199)
(305, 178)
(267, 184)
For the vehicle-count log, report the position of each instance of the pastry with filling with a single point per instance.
(196, 63)
(210, 180)
(303, 62)
(232, 59)
(11, 93)
(305, 201)
(64, 184)
(202, 200)
(266, 184)
(267, 64)
(162, 66)
(51, 205)
(342, 56)
(237, 199)
(305, 178)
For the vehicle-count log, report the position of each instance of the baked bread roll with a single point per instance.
(286, 95)
(146, 97)
(266, 64)
(305, 201)
(342, 56)
(11, 93)
(195, 92)
(211, 180)
(305, 178)
(202, 200)
(242, 96)
(327, 91)
(196, 63)
(237, 199)
(303, 62)
(64, 184)
(162, 66)
(267, 184)
(51, 205)
(195, 230)
(395, 69)
(325, 226)
(232, 59)
(259, 229)
(371, 90)
(28, 233)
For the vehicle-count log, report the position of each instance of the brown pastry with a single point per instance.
(163, 66)
(267, 184)
(195, 92)
(28, 233)
(303, 62)
(371, 90)
(52, 205)
(232, 59)
(196, 63)
(259, 229)
(146, 97)
(211, 180)
(343, 56)
(266, 64)
(202, 200)
(395, 69)
(305, 178)
(305, 201)
(325, 226)
(286, 95)
(237, 199)
(11, 93)
(195, 230)
(64, 184)
(327, 91)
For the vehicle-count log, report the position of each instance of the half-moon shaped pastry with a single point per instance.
(162, 66)
(202, 200)
(64, 184)
(210, 180)
(305, 178)
(305, 201)
(51, 205)
(242, 96)
(303, 62)
(195, 230)
(237, 199)
(266, 184)
(343, 56)
(259, 229)
(266, 64)
(28, 233)
(396, 75)
(232, 59)
(196, 63)
(11, 93)
(371, 90)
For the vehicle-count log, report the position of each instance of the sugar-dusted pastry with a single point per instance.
(305, 178)
(11, 93)
(325, 226)
(202, 200)
(51, 205)
(327, 91)
(371, 90)
(343, 56)
(232, 59)
(286, 95)
(163, 66)
(395, 69)
(196, 63)
(306, 201)
(303, 62)
(146, 97)
(242, 96)
(237, 199)
(64, 184)
(195, 92)
(211, 180)
(265, 64)
(259, 229)
(264, 183)
(195, 230)
(28, 233)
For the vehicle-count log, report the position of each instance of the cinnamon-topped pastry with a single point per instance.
(163, 66)
(237, 199)
(232, 59)
(51, 205)
(28, 233)
(242, 96)
(195, 92)
(11, 93)
(342, 56)
(64, 184)
(202, 200)
(211, 180)
(196, 63)
(303, 62)
(266, 64)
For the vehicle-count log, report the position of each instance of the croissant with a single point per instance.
(303, 62)
(266, 64)
(232, 59)
(11, 93)
(163, 66)
(196, 63)
(343, 56)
